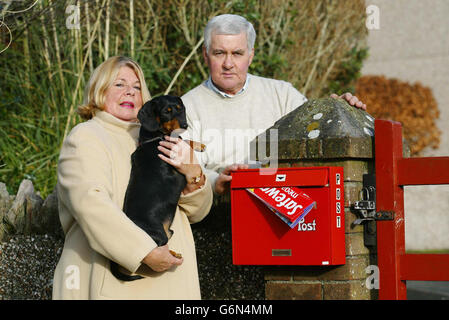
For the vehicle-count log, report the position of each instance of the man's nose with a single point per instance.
(228, 63)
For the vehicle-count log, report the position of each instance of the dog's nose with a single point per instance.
(184, 126)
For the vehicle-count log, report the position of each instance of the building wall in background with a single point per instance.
(412, 44)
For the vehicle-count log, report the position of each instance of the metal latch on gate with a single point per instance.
(366, 207)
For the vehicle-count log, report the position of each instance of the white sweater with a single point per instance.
(227, 125)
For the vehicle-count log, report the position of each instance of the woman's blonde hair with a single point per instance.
(102, 78)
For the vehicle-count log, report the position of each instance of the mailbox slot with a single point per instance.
(259, 237)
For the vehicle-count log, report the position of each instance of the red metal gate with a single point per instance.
(393, 172)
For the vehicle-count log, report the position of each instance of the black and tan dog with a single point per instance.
(154, 186)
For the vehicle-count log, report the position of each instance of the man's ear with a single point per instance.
(147, 117)
(205, 57)
(251, 56)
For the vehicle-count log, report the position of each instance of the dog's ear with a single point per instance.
(182, 113)
(180, 103)
(147, 117)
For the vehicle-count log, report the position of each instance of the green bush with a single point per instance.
(315, 44)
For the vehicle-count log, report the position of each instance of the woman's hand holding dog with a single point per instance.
(178, 153)
(160, 259)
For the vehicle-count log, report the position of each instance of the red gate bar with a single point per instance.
(423, 171)
(429, 267)
(393, 172)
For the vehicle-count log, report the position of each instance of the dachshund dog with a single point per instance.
(154, 186)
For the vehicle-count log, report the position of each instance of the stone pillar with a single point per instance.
(325, 132)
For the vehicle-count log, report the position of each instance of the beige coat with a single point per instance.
(93, 174)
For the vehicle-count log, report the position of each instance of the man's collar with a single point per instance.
(210, 85)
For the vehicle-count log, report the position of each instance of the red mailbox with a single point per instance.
(260, 237)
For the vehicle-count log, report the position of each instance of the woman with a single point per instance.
(93, 173)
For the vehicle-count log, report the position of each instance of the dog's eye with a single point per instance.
(178, 107)
(169, 109)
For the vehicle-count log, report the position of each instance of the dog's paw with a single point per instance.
(196, 145)
(176, 255)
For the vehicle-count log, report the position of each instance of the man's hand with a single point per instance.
(223, 182)
(352, 100)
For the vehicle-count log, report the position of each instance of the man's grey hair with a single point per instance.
(229, 24)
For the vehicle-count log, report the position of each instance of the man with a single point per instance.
(229, 109)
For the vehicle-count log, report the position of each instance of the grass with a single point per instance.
(429, 251)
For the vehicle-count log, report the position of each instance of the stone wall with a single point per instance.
(27, 213)
(219, 277)
(31, 242)
(327, 132)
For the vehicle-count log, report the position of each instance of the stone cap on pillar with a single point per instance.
(319, 129)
